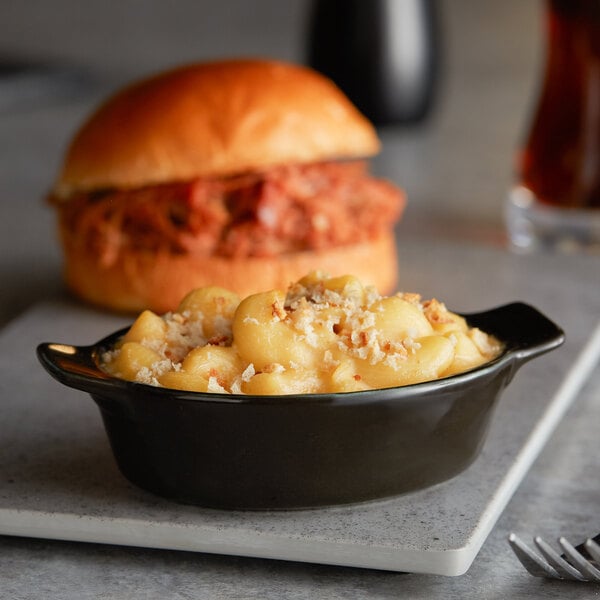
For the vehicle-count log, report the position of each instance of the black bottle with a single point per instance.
(384, 54)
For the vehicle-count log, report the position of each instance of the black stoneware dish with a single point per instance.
(283, 452)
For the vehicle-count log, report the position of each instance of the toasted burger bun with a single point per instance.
(211, 120)
(159, 281)
(214, 119)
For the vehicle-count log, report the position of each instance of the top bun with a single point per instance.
(214, 119)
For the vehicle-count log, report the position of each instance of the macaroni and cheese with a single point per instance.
(325, 334)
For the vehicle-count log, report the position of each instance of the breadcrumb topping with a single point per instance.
(325, 334)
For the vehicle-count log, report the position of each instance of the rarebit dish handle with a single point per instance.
(524, 329)
(75, 366)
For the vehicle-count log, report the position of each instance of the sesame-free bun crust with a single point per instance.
(214, 119)
(140, 280)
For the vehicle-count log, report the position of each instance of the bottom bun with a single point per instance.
(146, 280)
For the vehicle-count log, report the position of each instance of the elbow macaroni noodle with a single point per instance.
(325, 334)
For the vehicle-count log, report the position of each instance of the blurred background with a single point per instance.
(456, 165)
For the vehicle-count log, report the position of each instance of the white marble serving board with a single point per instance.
(58, 478)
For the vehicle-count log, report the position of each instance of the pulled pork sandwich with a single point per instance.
(243, 174)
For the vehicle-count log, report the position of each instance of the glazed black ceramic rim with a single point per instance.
(424, 387)
(409, 390)
(97, 382)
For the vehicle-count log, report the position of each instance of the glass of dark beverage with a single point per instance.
(556, 203)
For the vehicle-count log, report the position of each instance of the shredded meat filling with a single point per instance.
(285, 209)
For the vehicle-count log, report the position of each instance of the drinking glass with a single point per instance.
(555, 204)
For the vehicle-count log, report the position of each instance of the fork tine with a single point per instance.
(594, 549)
(530, 560)
(565, 570)
(584, 566)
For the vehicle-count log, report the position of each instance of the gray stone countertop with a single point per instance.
(456, 169)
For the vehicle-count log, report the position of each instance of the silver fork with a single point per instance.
(580, 563)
